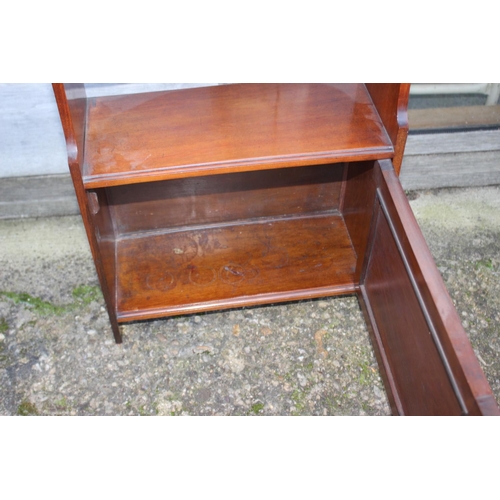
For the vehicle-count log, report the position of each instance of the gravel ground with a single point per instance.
(57, 356)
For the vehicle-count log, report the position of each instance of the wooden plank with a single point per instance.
(453, 142)
(455, 159)
(225, 198)
(37, 196)
(229, 128)
(456, 117)
(391, 101)
(451, 170)
(210, 267)
(358, 207)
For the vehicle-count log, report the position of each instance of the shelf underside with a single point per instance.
(235, 264)
(204, 131)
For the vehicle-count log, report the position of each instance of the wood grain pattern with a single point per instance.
(71, 102)
(225, 197)
(452, 170)
(431, 323)
(421, 381)
(453, 142)
(181, 270)
(458, 118)
(391, 101)
(454, 159)
(358, 206)
(205, 131)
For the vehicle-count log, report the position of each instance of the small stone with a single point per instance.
(302, 379)
(204, 349)
(91, 332)
(236, 330)
(234, 363)
(2, 336)
(265, 331)
(197, 319)
(318, 338)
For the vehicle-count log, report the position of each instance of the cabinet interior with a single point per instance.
(193, 244)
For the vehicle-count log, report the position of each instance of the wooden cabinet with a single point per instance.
(247, 194)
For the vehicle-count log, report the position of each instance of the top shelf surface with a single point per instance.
(229, 128)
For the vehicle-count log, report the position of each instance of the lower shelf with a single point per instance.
(243, 263)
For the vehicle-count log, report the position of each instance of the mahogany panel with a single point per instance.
(391, 101)
(413, 334)
(225, 197)
(185, 268)
(212, 130)
(358, 205)
(105, 237)
(72, 104)
(421, 381)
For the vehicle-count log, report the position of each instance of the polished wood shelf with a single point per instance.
(193, 269)
(212, 130)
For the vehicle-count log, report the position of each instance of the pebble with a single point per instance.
(266, 331)
(302, 379)
(2, 336)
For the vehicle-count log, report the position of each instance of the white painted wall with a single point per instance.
(31, 137)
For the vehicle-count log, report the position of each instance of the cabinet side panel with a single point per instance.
(105, 236)
(72, 106)
(391, 101)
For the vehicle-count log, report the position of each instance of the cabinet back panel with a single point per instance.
(225, 198)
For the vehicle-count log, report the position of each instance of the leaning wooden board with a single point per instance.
(238, 195)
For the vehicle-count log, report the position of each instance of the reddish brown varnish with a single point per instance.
(239, 195)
